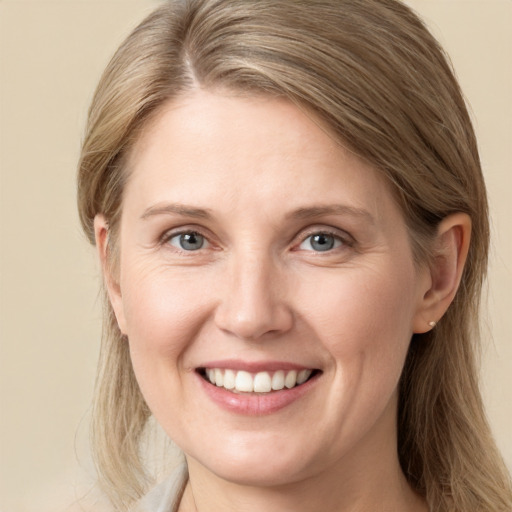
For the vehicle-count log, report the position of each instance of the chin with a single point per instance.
(252, 463)
(260, 474)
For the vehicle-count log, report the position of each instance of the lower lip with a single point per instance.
(255, 404)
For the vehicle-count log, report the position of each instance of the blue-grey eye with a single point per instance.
(190, 241)
(320, 242)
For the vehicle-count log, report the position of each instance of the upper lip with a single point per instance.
(254, 366)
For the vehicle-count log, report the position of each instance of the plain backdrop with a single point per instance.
(52, 53)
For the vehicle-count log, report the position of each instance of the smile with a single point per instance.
(239, 381)
(257, 388)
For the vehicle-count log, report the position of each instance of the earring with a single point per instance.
(432, 324)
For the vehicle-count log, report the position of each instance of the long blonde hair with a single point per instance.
(372, 71)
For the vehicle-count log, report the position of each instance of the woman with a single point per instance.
(288, 205)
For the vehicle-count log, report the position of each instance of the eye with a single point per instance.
(189, 241)
(321, 242)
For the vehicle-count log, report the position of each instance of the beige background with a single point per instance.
(52, 53)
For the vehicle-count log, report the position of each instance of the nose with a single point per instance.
(253, 303)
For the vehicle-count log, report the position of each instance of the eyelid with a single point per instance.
(346, 239)
(204, 245)
(165, 238)
(342, 235)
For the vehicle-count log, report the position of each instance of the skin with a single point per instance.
(258, 177)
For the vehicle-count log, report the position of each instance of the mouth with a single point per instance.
(262, 382)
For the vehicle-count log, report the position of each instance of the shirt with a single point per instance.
(165, 496)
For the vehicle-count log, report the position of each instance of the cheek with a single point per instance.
(364, 315)
(363, 321)
(164, 309)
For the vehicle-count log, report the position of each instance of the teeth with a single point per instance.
(278, 380)
(229, 379)
(303, 376)
(261, 382)
(244, 382)
(291, 379)
(219, 377)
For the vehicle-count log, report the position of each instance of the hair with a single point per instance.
(374, 74)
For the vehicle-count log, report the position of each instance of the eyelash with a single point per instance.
(169, 235)
(345, 239)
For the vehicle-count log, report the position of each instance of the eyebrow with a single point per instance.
(334, 209)
(176, 209)
(300, 213)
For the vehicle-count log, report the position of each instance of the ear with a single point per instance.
(101, 234)
(445, 271)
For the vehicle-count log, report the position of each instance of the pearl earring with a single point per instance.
(432, 324)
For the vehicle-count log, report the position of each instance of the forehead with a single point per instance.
(253, 150)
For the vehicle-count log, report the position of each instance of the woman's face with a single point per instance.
(255, 252)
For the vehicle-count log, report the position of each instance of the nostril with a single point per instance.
(254, 324)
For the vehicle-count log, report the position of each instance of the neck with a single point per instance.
(391, 494)
(368, 478)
